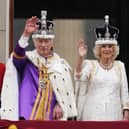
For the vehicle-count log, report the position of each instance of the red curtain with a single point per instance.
(2, 71)
(5, 124)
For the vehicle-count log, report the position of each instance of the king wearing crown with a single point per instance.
(45, 89)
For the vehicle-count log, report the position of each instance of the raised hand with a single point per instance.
(82, 48)
(30, 26)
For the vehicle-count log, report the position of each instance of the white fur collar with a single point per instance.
(54, 63)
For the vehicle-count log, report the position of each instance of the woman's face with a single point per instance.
(43, 46)
(106, 51)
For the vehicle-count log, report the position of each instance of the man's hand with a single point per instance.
(30, 26)
(57, 112)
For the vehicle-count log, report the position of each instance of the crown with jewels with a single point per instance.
(106, 34)
(45, 29)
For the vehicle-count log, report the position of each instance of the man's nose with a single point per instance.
(43, 43)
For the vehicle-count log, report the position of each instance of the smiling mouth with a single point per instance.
(44, 48)
(106, 53)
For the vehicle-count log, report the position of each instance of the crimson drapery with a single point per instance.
(4, 124)
(2, 71)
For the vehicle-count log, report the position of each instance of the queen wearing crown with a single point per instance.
(45, 89)
(101, 84)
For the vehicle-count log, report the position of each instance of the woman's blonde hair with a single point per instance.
(96, 51)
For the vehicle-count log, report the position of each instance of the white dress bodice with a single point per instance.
(102, 99)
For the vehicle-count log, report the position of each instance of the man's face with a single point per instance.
(43, 46)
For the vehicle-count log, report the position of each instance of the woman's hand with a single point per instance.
(57, 112)
(30, 26)
(82, 51)
(82, 48)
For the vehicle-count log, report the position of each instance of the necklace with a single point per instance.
(106, 66)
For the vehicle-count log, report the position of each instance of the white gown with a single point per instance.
(102, 94)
